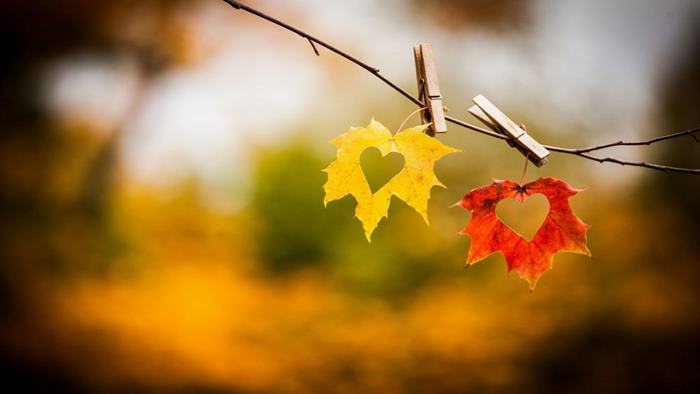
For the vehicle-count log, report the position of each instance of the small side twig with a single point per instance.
(313, 46)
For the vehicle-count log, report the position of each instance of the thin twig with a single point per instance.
(314, 47)
(690, 133)
(373, 70)
(652, 166)
(476, 128)
(580, 152)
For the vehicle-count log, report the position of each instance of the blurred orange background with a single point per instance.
(164, 231)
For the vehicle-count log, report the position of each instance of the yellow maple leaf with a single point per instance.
(412, 184)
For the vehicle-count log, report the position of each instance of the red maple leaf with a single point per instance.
(561, 231)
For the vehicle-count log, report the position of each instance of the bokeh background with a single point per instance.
(161, 201)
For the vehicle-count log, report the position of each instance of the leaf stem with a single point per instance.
(522, 176)
(409, 117)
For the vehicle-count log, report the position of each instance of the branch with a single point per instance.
(580, 152)
(652, 166)
(312, 39)
(690, 133)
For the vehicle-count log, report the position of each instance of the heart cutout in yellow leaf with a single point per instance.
(378, 169)
(412, 184)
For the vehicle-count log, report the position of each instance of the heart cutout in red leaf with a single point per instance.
(526, 217)
(561, 231)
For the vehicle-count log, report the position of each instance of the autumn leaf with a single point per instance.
(411, 184)
(561, 231)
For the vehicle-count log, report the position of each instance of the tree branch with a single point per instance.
(580, 152)
(690, 133)
(652, 166)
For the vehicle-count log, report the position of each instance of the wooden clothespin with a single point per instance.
(429, 90)
(497, 121)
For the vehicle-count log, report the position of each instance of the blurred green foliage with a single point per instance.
(293, 229)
